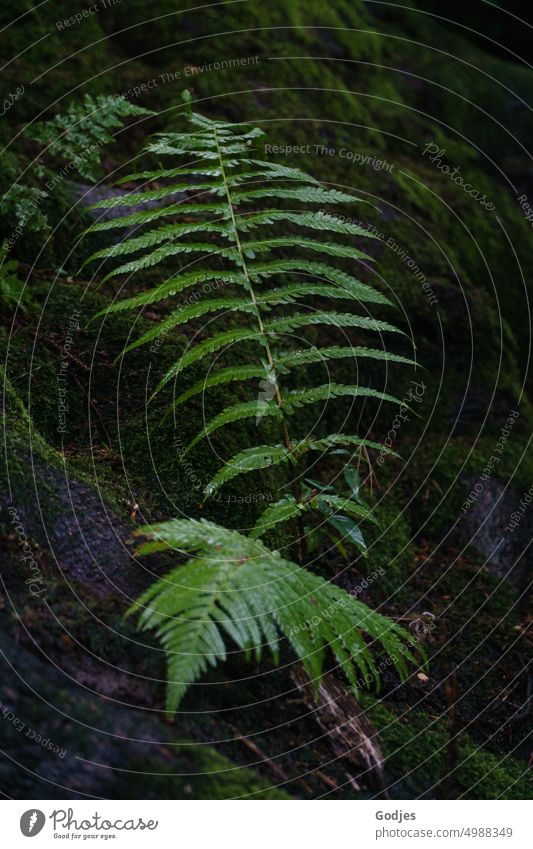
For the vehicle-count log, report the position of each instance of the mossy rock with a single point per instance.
(418, 762)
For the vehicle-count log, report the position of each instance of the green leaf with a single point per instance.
(302, 193)
(352, 478)
(353, 508)
(349, 530)
(293, 322)
(249, 460)
(283, 510)
(313, 220)
(217, 378)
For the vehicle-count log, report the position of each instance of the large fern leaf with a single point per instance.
(235, 595)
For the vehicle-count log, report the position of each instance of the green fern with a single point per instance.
(218, 164)
(79, 135)
(234, 588)
(228, 232)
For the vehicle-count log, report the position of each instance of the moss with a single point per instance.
(415, 746)
(63, 58)
(390, 550)
(203, 774)
(129, 447)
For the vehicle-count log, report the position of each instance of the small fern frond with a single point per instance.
(79, 135)
(236, 590)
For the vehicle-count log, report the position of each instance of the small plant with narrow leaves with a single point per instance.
(237, 236)
(341, 508)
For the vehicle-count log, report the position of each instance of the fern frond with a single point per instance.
(330, 248)
(154, 237)
(146, 216)
(137, 198)
(318, 269)
(186, 313)
(157, 256)
(314, 221)
(208, 346)
(284, 362)
(79, 135)
(293, 322)
(235, 589)
(172, 287)
(304, 194)
(318, 355)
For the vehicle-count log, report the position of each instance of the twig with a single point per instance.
(274, 767)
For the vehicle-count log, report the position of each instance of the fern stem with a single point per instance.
(296, 489)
